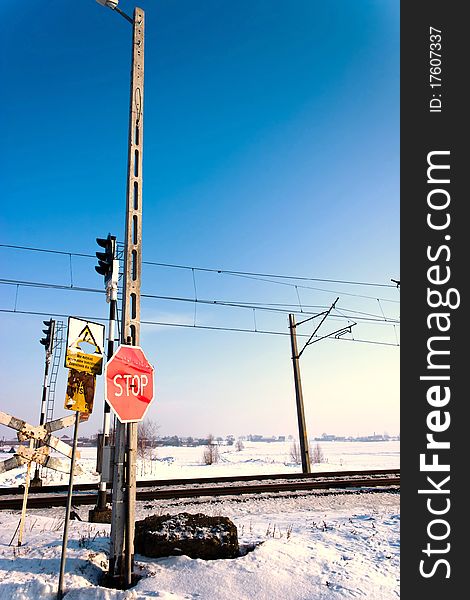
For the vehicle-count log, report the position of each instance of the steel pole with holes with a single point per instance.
(123, 514)
(102, 493)
(36, 481)
(299, 398)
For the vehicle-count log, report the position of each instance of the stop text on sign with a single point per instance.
(132, 384)
(129, 383)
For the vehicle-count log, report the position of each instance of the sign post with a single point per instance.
(25, 496)
(84, 366)
(63, 557)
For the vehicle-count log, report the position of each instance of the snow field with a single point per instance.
(256, 458)
(320, 546)
(324, 546)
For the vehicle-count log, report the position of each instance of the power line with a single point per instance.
(241, 304)
(273, 276)
(226, 303)
(309, 287)
(53, 286)
(49, 251)
(220, 271)
(189, 326)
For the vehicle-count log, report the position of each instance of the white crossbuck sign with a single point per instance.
(43, 435)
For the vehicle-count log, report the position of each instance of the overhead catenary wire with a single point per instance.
(296, 277)
(381, 309)
(243, 305)
(225, 271)
(71, 270)
(240, 304)
(298, 298)
(309, 287)
(16, 295)
(195, 297)
(282, 308)
(188, 325)
(47, 250)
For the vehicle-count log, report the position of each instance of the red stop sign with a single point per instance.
(129, 383)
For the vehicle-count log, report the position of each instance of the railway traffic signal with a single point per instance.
(46, 341)
(106, 259)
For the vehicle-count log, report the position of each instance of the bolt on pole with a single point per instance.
(303, 438)
(124, 483)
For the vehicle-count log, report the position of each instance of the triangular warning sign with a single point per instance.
(86, 336)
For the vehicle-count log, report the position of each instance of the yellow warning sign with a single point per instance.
(87, 363)
(80, 391)
(80, 334)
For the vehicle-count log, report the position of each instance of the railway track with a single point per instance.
(85, 494)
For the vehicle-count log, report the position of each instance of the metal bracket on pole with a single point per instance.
(325, 314)
(336, 334)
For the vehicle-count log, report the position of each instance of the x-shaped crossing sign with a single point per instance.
(43, 435)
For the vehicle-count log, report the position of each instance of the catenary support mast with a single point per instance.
(124, 481)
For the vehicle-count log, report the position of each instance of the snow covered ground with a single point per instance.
(255, 458)
(325, 545)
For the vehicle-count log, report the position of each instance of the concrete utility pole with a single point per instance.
(124, 480)
(304, 451)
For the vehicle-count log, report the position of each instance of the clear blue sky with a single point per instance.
(271, 145)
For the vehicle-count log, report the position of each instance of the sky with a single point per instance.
(271, 147)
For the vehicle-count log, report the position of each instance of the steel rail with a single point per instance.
(167, 492)
(82, 487)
